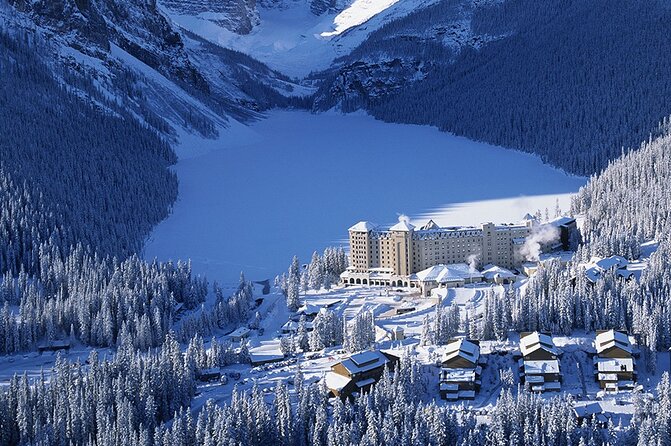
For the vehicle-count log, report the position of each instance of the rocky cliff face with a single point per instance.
(238, 16)
(136, 26)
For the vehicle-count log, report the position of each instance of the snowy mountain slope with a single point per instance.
(291, 39)
(401, 53)
(238, 16)
(221, 84)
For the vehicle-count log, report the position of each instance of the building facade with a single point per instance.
(614, 363)
(539, 364)
(391, 255)
(358, 373)
(460, 370)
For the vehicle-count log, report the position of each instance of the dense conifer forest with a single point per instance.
(83, 181)
(576, 82)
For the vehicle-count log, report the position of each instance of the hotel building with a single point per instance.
(393, 255)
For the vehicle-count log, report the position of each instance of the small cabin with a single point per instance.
(208, 375)
(239, 334)
(53, 346)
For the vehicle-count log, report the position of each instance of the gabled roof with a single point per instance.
(491, 271)
(612, 338)
(528, 217)
(309, 309)
(447, 273)
(612, 262)
(429, 226)
(365, 361)
(462, 348)
(536, 341)
(240, 331)
(402, 226)
(587, 410)
(363, 226)
(561, 221)
(335, 381)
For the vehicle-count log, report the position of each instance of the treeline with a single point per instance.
(94, 301)
(118, 401)
(81, 185)
(126, 400)
(322, 271)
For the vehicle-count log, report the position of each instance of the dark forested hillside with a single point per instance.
(73, 170)
(573, 81)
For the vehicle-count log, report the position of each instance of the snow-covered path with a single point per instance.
(296, 181)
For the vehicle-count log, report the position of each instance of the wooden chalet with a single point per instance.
(460, 370)
(539, 364)
(614, 363)
(358, 373)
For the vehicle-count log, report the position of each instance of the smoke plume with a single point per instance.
(533, 245)
(473, 262)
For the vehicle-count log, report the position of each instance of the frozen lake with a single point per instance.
(294, 183)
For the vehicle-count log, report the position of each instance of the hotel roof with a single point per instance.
(455, 272)
(402, 226)
(363, 226)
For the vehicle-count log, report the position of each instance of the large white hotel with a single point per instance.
(398, 255)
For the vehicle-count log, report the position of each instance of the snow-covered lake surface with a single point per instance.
(294, 182)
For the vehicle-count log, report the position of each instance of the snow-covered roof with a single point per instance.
(365, 361)
(365, 382)
(587, 410)
(262, 356)
(455, 272)
(490, 271)
(292, 326)
(430, 225)
(611, 262)
(463, 348)
(449, 387)
(611, 365)
(363, 226)
(552, 385)
(541, 367)
(239, 332)
(561, 221)
(528, 217)
(593, 273)
(309, 309)
(335, 381)
(402, 226)
(457, 375)
(612, 338)
(535, 341)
